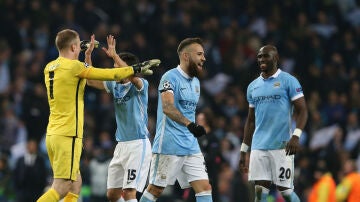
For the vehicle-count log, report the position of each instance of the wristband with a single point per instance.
(297, 132)
(244, 147)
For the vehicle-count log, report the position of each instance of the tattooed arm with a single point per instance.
(170, 110)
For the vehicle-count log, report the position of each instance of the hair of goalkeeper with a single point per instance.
(65, 38)
(129, 58)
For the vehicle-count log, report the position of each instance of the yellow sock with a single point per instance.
(50, 196)
(71, 197)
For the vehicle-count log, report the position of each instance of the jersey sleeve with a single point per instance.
(295, 89)
(249, 96)
(79, 67)
(144, 86)
(109, 86)
(167, 83)
(104, 74)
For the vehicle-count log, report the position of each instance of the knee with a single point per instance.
(155, 190)
(129, 194)
(207, 187)
(201, 186)
(62, 187)
(76, 185)
(113, 195)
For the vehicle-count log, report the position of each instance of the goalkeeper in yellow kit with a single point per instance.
(65, 79)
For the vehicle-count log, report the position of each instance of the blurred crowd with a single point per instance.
(317, 42)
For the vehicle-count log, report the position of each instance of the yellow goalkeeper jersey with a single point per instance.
(65, 92)
(65, 84)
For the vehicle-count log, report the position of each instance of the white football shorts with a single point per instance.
(166, 169)
(272, 165)
(130, 165)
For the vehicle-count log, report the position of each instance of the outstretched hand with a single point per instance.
(88, 46)
(144, 68)
(110, 50)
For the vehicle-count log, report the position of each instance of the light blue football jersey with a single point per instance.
(130, 109)
(271, 99)
(171, 137)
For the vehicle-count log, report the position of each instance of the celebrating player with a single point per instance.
(129, 167)
(271, 97)
(176, 151)
(65, 79)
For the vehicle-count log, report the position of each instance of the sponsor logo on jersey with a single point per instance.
(268, 98)
(187, 104)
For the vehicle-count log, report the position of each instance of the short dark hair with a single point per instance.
(129, 58)
(188, 41)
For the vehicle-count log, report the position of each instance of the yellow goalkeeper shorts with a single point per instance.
(64, 155)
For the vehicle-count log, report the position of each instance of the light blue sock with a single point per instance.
(144, 199)
(290, 196)
(264, 197)
(121, 199)
(294, 197)
(204, 196)
(147, 197)
(132, 200)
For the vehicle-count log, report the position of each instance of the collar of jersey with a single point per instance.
(272, 76)
(124, 84)
(182, 72)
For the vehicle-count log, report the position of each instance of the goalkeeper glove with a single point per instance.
(144, 67)
(86, 44)
(196, 130)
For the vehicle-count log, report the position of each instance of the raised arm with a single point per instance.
(110, 51)
(89, 51)
(137, 82)
(105, 74)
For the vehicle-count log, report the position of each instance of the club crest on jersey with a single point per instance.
(277, 85)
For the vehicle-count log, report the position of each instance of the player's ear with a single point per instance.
(73, 47)
(186, 56)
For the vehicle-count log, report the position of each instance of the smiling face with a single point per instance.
(192, 56)
(267, 59)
